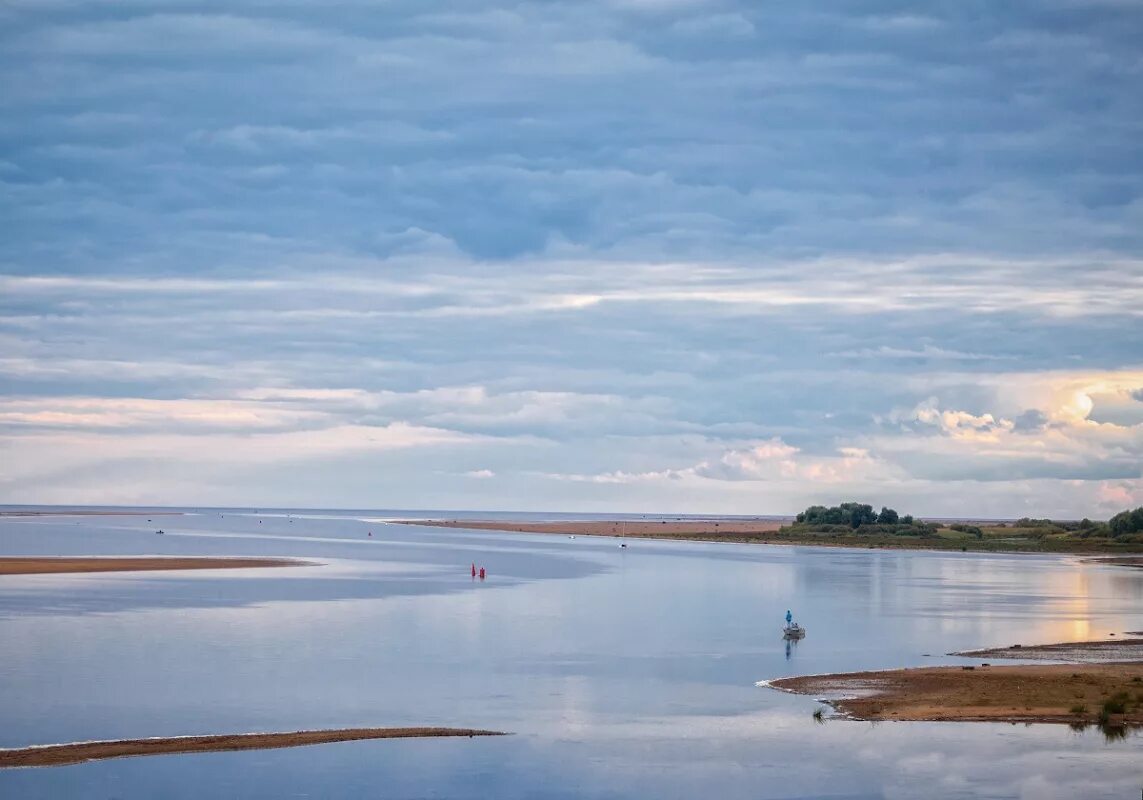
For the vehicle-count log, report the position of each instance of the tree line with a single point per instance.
(861, 518)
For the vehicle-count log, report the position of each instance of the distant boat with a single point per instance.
(793, 631)
(159, 531)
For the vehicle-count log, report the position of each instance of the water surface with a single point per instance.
(624, 672)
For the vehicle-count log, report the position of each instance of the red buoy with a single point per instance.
(474, 569)
(482, 573)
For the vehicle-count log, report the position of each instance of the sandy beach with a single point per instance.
(62, 754)
(37, 565)
(1057, 693)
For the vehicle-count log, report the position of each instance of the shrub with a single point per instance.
(1116, 704)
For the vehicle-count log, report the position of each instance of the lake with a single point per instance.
(622, 672)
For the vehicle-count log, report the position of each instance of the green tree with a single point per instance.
(887, 516)
(1126, 522)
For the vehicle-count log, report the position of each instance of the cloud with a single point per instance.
(687, 254)
(928, 352)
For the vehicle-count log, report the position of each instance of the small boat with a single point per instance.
(159, 531)
(793, 631)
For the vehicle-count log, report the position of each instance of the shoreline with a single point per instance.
(1121, 561)
(90, 513)
(1076, 694)
(1102, 651)
(57, 755)
(641, 529)
(766, 531)
(60, 565)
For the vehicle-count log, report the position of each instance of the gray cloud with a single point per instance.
(622, 240)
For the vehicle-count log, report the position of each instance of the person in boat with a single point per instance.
(789, 617)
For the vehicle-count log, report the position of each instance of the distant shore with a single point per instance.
(1075, 694)
(771, 531)
(58, 755)
(63, 512)
(634, 529)
(49, 565)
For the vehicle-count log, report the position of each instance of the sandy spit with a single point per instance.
(47, 565)
(56, 755)
(1056, 693)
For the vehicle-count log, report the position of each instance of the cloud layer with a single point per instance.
(698, 256)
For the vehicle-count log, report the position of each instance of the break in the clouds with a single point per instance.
(699, 255)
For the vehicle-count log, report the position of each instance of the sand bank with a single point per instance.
(1121, 561)
(37, 565)
(730, 530)
(1074, 652)
(56, 755)
(1062, 693)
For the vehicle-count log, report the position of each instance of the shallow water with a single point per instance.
(622, 672)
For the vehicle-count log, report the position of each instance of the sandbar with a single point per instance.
(728, 530)
(1075, 694)
(48, 565)
(56, 755)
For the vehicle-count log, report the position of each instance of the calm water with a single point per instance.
(622, 672)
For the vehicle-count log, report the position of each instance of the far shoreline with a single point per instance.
(81, 512)
(769, 531)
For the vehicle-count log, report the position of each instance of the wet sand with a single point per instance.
(1075, 652)
(56, 755)
(37, 565)
(730, 530)
(1056, 693)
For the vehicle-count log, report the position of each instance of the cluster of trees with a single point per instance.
(855, 516)
(1125, 523)
(1125, 527)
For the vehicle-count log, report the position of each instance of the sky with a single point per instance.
(678, 256)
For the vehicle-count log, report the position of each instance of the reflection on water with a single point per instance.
(1111, 732)
(624, 672)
